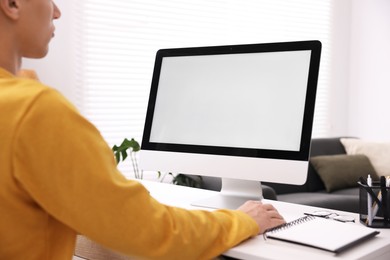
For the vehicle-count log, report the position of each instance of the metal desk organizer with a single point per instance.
(380, 195)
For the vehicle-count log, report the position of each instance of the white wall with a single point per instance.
(360, 74)
(369, 89)
(339, 73)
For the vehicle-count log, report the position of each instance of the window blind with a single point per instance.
(115, 43)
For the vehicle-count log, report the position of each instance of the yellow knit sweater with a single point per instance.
(58, 177)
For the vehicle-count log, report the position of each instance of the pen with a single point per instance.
(384, 198)
(376, 206)
(369, 202)
(368, 189)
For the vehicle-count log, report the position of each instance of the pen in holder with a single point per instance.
(380, 208)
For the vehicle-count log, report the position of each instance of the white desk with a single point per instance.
(258, 248)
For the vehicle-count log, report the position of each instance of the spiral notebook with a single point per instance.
(321, 233)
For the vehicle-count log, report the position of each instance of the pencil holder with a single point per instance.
(377, 200)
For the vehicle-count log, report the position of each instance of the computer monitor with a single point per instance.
(240, 112)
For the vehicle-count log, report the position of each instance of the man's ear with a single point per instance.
(10, 8)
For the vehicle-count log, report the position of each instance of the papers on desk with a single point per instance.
(325, 234)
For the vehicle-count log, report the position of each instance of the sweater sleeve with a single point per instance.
(68, 169)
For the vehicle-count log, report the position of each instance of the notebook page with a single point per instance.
(323, 233)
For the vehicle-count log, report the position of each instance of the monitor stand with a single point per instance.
(233, 194)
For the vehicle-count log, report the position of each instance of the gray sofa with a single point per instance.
(313, 192)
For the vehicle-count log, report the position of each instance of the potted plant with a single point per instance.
(129, 148)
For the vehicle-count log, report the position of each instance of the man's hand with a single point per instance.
(265, 215)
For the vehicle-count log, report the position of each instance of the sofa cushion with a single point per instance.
(354, 191)
(377, 152)
(319, 146)
(324, 200)
(326, 146)
(342, 171)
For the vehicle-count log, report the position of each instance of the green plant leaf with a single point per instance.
(133, 144)
(120, 152)
(185, 180)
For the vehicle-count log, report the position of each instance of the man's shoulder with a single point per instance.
(26, 94)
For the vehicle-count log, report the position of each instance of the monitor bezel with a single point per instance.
(301, 155)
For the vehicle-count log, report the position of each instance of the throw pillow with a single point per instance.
(342, 171)
(377, 152)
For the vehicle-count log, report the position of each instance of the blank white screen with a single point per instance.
(252, 100)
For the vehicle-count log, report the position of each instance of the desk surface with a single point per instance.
(258, 248)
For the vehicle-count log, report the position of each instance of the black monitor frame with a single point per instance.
(301, 155)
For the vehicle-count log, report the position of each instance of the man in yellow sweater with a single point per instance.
(58, 177)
